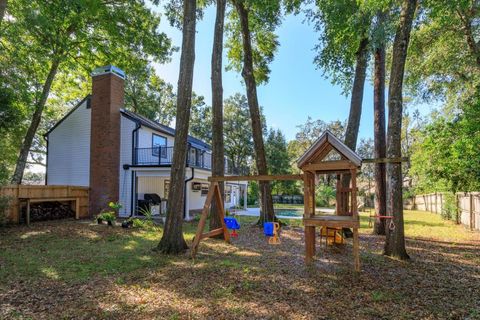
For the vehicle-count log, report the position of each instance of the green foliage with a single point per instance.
(279, 161)
(308, 133)
(145, 224)
(79, 36)
(147, 94)
(449, 206)
(253, 193)
(441, 64)
(146, 212)
(264, 17)
(445, 155)
(115, 206)
(11, 116)
(238, 130)
(108, 216)
(342, 25)
(324, 194)
(200, 119)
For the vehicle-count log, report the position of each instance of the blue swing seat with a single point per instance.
(268, 228)
(231, 223)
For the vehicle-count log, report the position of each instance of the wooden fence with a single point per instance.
(17, 192)
(468, 206)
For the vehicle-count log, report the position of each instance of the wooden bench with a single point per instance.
(59, 199)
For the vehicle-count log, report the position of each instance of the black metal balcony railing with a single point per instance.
(197, 158)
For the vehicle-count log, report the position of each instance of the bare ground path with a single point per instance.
(82, 271)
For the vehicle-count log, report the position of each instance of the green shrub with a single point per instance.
(4, 205)
(449, 206)
(107, 216)
(142, 223)
(323, 195)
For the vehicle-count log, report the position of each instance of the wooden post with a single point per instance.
(218, 196)
(309, 204)
(338, 196)
(203, 218)
(28, 212)
(213, 191)
(77, 208)
(457, 209)
(353, 179)
(356, 253)
(309, 244)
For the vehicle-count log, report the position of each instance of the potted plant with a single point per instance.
(127, 223)
(100, 218)
(109, 217)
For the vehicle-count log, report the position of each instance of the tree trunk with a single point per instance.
(353, 126)
(32, 129)
(172, 241)
(266, 213)
(218, 149)
(355, 115)
(469, 36)
(3, 8)
(395, 239)
(379, 137)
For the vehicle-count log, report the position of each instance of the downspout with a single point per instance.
(185, 191)
(46, 161)
(133, 198)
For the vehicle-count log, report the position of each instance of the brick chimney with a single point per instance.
(107, 99)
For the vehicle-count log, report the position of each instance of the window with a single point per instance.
(159, 143)
(228, 194)
(204, 190)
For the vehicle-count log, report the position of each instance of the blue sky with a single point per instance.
(296, 88)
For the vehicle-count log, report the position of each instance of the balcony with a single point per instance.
(196, 158)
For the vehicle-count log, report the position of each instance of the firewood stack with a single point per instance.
(43, 211)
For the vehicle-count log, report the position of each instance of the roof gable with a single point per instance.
(321, 148)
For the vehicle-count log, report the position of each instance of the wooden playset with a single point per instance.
(327, 156)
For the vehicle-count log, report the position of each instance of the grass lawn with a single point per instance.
(72, 269)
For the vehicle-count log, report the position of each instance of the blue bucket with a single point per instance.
(268, 228)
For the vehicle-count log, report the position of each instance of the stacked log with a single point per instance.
(43, 211)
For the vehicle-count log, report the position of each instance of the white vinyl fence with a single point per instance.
(467, 203)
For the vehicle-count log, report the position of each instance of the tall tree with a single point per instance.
(379, 128)
(172, 241)
(343, 53)
(248, 74)
(218, 148)
(395, 239)
(353, 124)
(278, 160)
(238, 131)
(47, 36)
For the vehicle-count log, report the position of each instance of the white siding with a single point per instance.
(145, 138)
(69, 150)
(125, 182)
(151, 185)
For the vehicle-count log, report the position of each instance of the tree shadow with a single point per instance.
(247, 279)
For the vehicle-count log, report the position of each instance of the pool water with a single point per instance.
(289, 212)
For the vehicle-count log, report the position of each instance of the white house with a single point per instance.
(125, 157)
